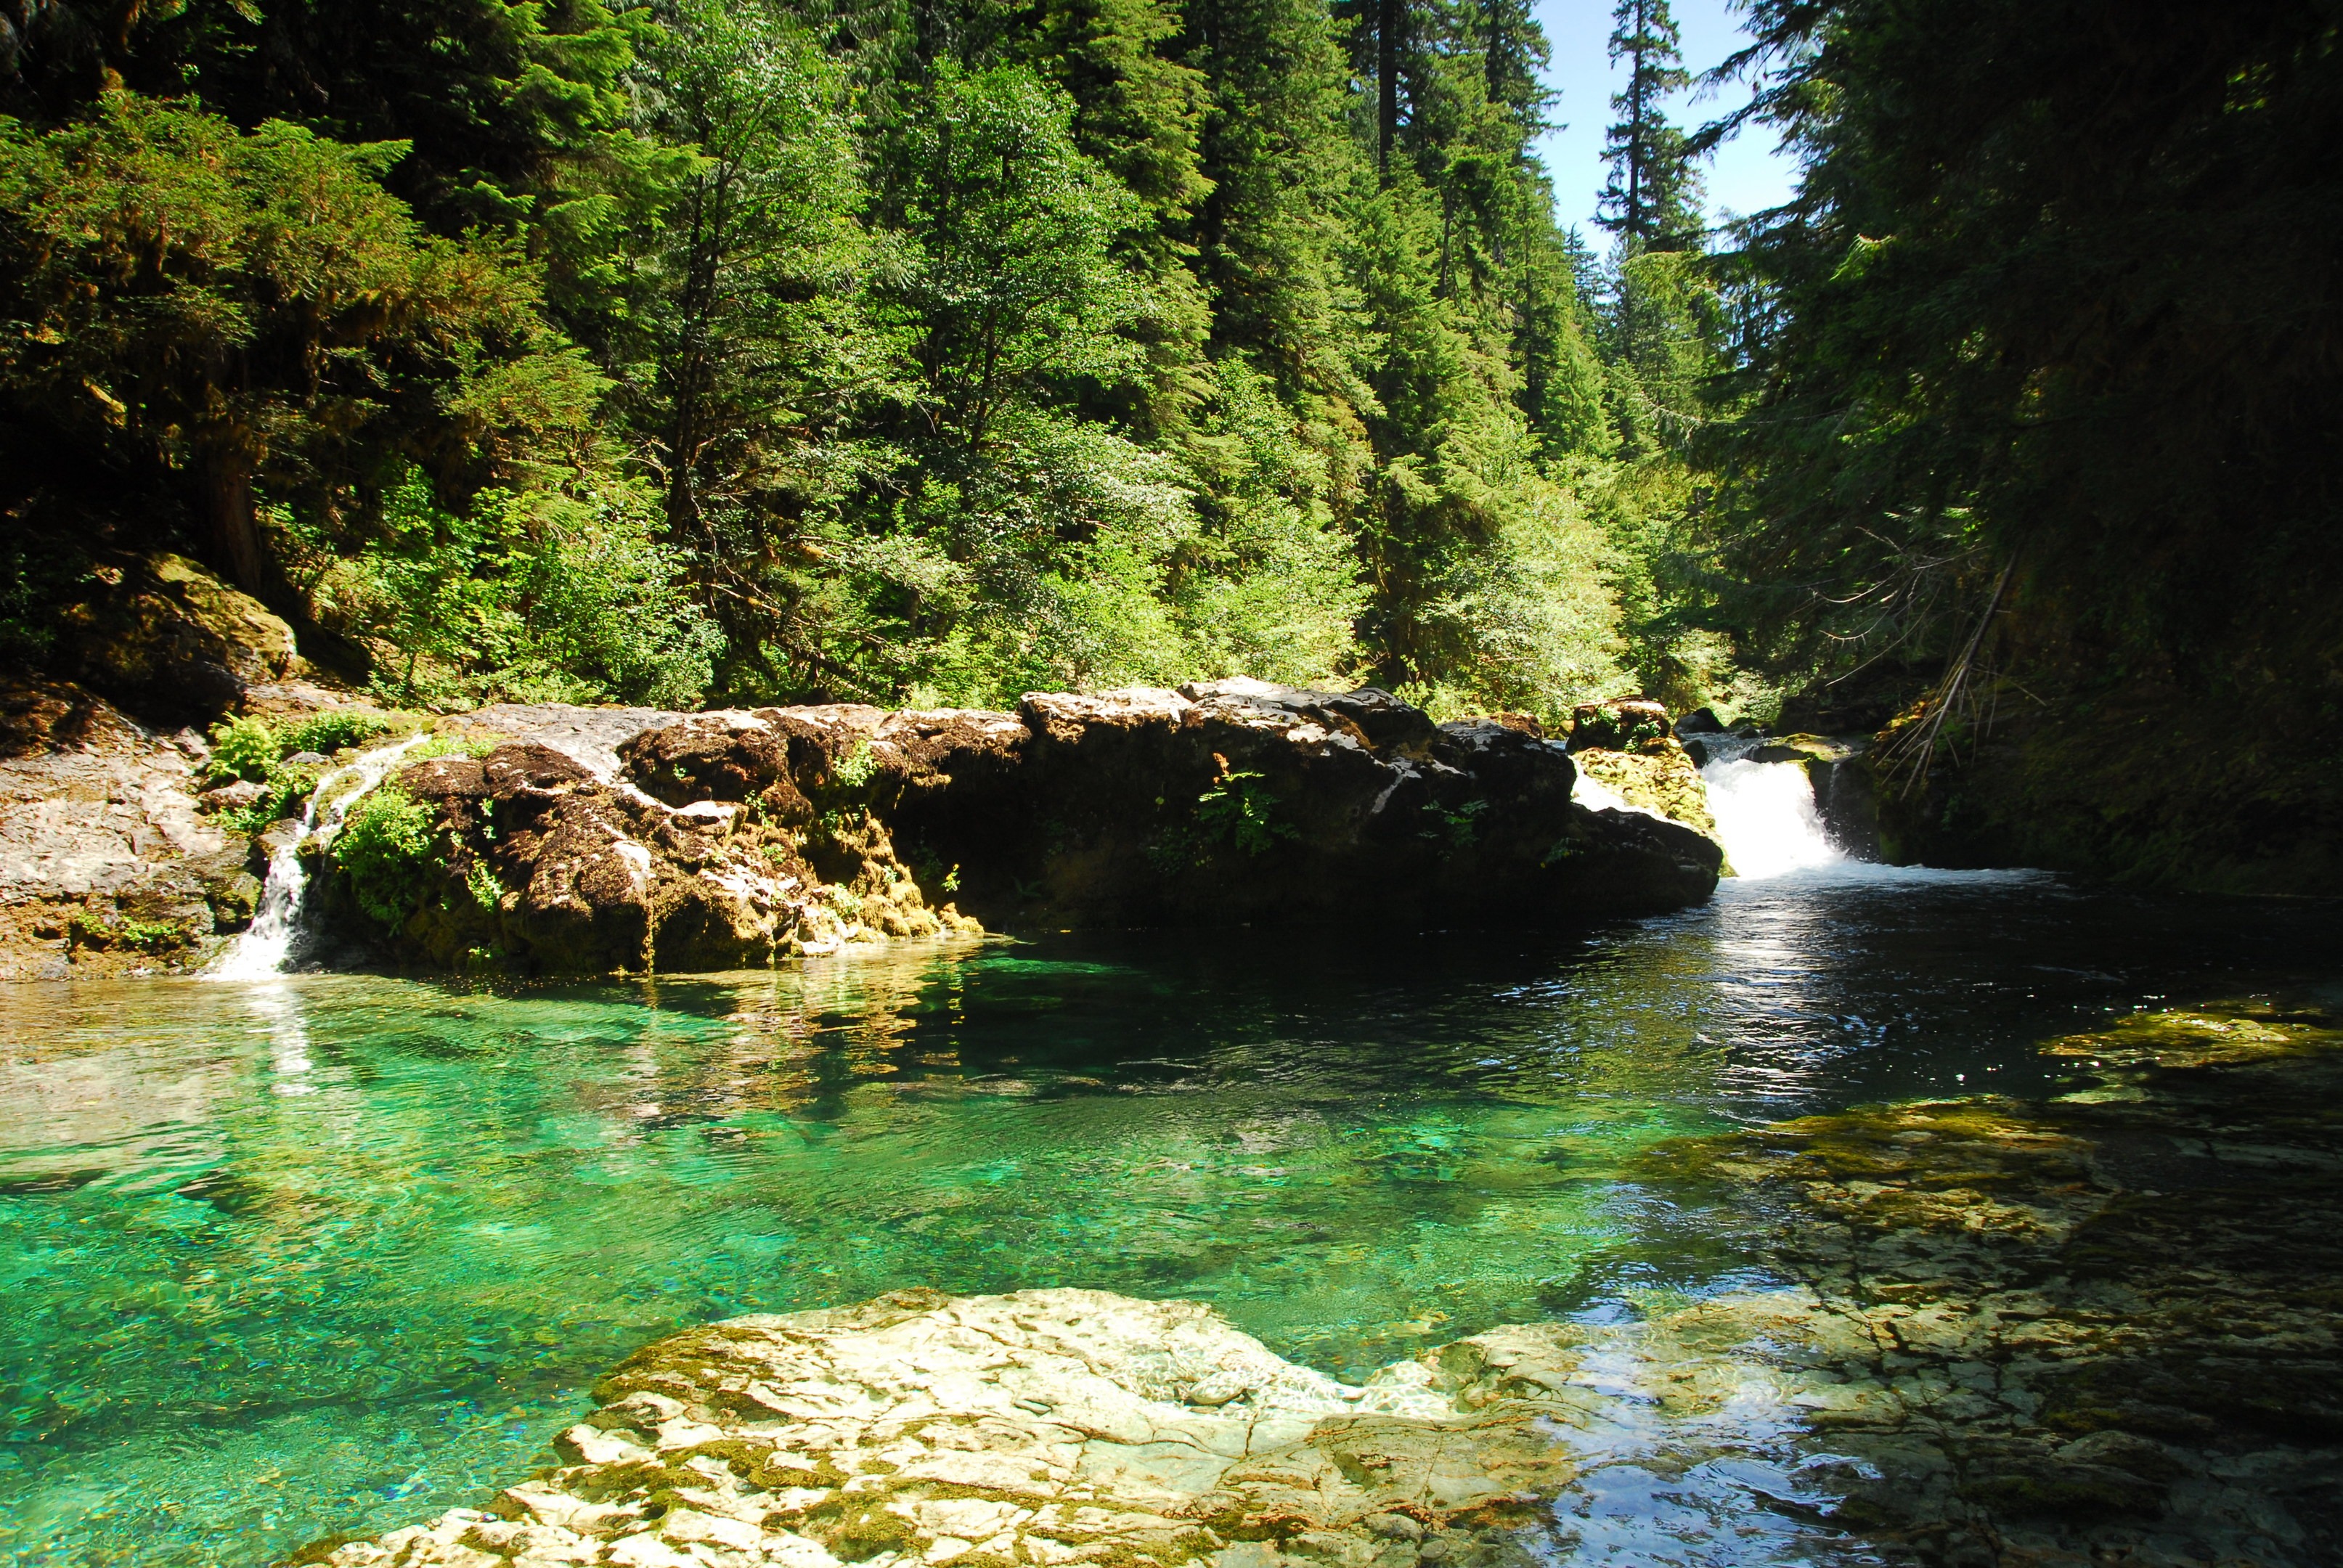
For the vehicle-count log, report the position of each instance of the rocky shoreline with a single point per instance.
(553, 838)
(546, 838)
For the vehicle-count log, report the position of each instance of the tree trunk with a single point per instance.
(236, 526)
(1391, 16)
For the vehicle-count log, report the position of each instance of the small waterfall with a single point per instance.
(270, 944)
(1765, 812)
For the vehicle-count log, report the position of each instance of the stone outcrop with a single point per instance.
(108, 864)
(1619, 724)
(1659, 777)
(1043, 1427)
(1627, 746)
(727, 838)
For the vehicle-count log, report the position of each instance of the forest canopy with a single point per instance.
(755, 349)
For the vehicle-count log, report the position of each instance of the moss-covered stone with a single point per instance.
(1661, 779)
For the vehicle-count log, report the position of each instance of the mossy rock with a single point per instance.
(170, 640)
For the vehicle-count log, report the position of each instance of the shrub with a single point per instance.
(329, 733)
(1239, 807)
(244, 748)
(389, 848)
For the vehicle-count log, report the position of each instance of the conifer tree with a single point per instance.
(1653, 200)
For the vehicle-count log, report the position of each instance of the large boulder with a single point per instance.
(1663, 778)
(1047, 1427)
(171, 642)
(1619, 724)
(727, 838)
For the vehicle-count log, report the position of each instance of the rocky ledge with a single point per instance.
(108, 864)
(724, 838)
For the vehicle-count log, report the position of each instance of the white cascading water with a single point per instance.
(271, 942)
(1765, 812)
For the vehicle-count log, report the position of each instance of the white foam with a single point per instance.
(1766, 817)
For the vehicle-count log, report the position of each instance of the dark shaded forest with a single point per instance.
(928, 351)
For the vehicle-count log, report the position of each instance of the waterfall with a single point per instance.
(269, 945)
(1765, 812)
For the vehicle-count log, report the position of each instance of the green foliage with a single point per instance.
(1461, 828)
(254, 749)
(1241, 810)
(855, 769)
(254, 310)
(327, 733)
(243, 747)
(535, 596)
(930, 354)
(389, 847)
(480, 882)
(35, 577)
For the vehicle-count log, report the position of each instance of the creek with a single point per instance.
(313, 1253)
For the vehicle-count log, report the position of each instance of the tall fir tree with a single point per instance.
(1653, 200)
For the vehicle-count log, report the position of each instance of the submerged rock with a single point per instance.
(1045, 1427)
(721, 839)
(2100, 1328)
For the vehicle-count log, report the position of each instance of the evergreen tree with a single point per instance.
(1651, 201)
(934, 347)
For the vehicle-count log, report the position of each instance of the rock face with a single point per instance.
(1046, 1427)
(106, 865)
(725, 838)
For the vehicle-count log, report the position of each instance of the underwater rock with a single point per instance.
(725, 838)
(2098, 1328)
(1046, 1427)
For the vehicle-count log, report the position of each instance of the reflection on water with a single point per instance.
(328, 1254)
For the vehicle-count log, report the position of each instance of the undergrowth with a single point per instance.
(390, 849)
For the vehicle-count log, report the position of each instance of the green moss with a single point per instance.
(138, 936)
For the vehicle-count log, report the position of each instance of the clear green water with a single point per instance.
(332, 1253)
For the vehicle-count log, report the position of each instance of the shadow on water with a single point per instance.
(329, 1253)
